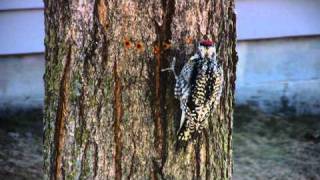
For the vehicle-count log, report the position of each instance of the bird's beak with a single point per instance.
(206, 54)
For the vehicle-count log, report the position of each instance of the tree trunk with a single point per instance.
(110, 112)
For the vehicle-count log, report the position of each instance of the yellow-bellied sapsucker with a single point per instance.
(198, 88)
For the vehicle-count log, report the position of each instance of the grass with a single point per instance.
(275, 146)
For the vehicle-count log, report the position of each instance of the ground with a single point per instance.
(265, 146)
(21, 144)
(275, 146)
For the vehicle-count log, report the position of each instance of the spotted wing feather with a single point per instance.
(204, 95)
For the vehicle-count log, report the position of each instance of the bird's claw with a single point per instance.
(171, 68)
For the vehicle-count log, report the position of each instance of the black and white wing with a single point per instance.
(183, 86)
(205, 88)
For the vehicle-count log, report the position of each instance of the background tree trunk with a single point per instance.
(110, 112)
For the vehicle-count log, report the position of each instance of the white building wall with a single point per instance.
(21, 31)
(262, 19)
(21, 81)
(280, 74)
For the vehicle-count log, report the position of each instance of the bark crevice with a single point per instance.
(61, 116)
(132, 160)
(118, 113)
(161, 56)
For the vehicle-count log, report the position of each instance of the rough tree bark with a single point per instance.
(109, 110)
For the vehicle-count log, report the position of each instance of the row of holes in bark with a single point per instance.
(139, 45)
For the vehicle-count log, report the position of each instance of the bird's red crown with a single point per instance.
(206, 43)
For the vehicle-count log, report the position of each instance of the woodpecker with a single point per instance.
(198, 87)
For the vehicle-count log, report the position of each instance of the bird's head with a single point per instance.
(207, 49)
